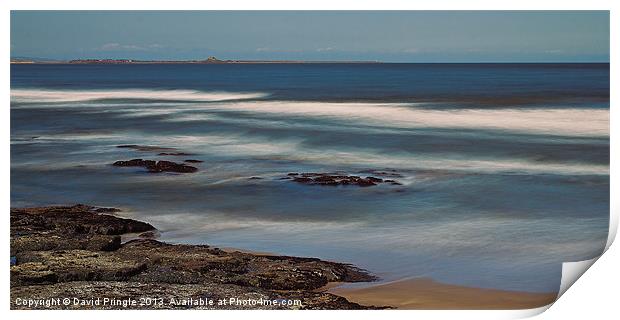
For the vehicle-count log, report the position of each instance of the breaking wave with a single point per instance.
(31, 95)
(555, 121)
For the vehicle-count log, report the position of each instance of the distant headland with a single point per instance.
(209, 60)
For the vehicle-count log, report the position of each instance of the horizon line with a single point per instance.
(212, 60)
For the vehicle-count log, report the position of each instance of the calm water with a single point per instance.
(505, 167)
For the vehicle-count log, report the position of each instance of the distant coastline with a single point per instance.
(210, 60)
(213, 60)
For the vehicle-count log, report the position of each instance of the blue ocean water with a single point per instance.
(504, 167)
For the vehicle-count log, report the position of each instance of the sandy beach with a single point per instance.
(424, 293)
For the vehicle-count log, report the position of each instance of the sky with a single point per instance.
(388, 36)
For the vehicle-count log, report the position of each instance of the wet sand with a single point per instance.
(424, 293)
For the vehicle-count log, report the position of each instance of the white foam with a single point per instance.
(564, 121)
(452, 237)
(556, 121)
(219, 221)
(405, 161)
(294, 150)
(33, 95)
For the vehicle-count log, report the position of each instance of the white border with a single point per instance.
(584, 300)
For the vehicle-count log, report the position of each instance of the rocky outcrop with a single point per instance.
(327, 179)
(72, 265)
(175, 296)
(157, 166)
(270, 272)
(44, 241)
(66, 228)
(76, 252)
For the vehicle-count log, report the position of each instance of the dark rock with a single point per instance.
(31, 273)
(66, 228)
(128, 146)
(328, 179)
(193, 161)
(78, 219)
(159, 166)
(263, 271)
(169, 166)
(58, 241)
(303, 180)
(134, 163)
(73, 265)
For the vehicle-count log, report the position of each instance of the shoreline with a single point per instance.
(426, 293)
(78, 252)
(130, 258)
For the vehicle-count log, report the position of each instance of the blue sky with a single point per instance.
(390, 36)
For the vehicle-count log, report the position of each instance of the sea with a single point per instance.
(503, 169)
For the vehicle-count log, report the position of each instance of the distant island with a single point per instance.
(209, 60)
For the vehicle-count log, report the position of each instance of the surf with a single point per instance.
(36, 95)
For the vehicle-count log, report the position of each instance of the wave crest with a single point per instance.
(35, 95)
(551, 121)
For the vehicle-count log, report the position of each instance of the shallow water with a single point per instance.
(504, 168)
